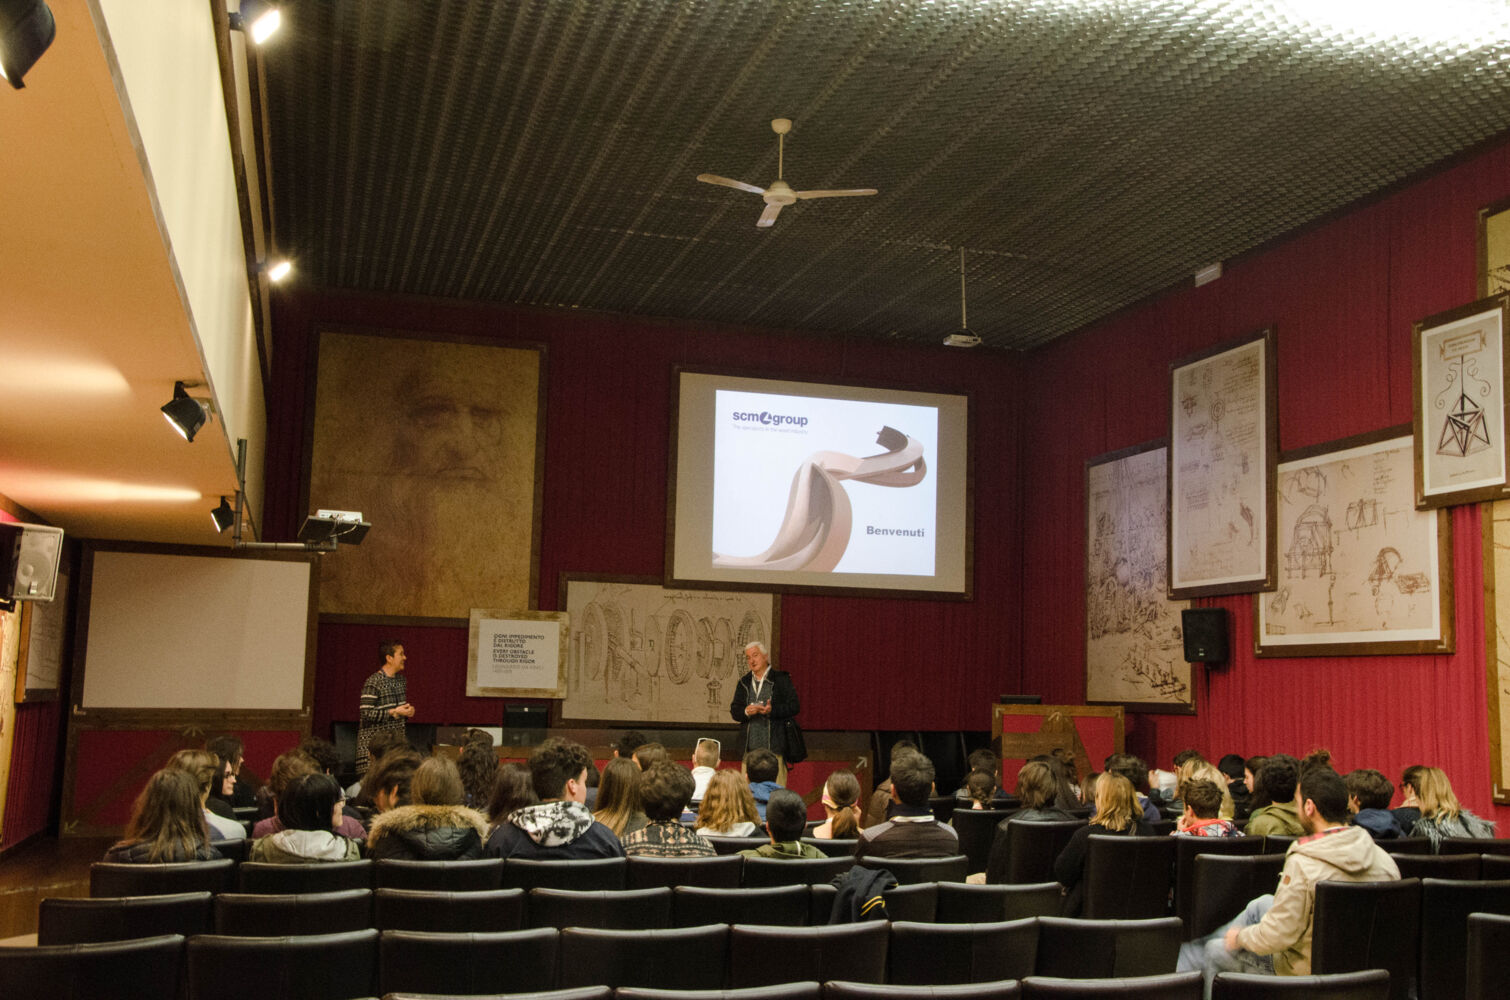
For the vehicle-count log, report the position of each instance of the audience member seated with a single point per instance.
(559, 827)
(1117, 814)
(1199, 769)
(1136, 772)
(1232, 770)
(206, 769)
(786, 818)
(478, 767)
(388, 779)
(1409, 809)
(513, 788)
(328, 758)
(841, 802)
(239, 793)
(1202, 801)
(728, 808)
(912, 831)
(705, 757)
(647, 754)
(1088, 788)
(360, 794)
(1272, 936)
(287, 767)
(879, 807)
(309, 811)
(665, 790)
(435, 826)
(982, 788)
(761, 767)
(1275, 783)
(1368, 795)
(1066, 777)
(619, 797)
(167, 823)
(985, 760)
(629, 743)
(1256, 797)
(1442, 815)
(1036, 790)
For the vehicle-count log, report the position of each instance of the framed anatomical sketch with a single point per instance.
(1459, 394)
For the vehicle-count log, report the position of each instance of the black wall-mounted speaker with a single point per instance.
(1205, 634)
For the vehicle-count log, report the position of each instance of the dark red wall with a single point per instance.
(858, 663)
(1343, 299)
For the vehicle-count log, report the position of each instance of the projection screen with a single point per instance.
(787, 485)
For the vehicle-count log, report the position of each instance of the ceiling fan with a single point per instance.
(780, 193)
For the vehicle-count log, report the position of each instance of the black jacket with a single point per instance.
(784, 705)
(1069, 867)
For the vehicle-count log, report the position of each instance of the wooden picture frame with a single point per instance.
(1223, 449)
(1134, 654)
(44, 627)
(1364, 571)
(632, 636)
(1494, 522)
(1460, 370)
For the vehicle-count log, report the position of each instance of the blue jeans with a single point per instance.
(1209, 954)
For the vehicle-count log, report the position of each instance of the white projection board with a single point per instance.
(196, 632)
(798, 485)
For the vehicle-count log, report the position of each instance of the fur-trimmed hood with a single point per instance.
(427, 833)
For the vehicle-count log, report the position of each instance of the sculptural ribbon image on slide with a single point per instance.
(816, 529)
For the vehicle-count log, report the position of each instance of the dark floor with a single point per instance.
(46, 866)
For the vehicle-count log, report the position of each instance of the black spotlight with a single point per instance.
(258, 18)
(223, 516)
(184, 412)
(26, 30)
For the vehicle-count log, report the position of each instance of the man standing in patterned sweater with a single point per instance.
(384, 705)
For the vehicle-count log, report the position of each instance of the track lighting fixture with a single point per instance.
(224, 516)
(277, 269)
(185, 413)
(258, 18)
(26, 30)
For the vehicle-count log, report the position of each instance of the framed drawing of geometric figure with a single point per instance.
(1361, 569)
(439, 445)
(1134, 654)
(1459, 404)
(1223, 446)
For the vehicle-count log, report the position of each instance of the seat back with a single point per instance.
(782, 905)
(976, 828)
(1031, 848)
(683, 958)
(733, 845)
(476, 963)
(1372, 984)
(1488, 944)
(137, 969)
(592, 873)
(942, 806)
(329, 876)
(786, 991)
(1170, 986)
(120, 918)
(110, 879)
(1407, 845)
(839, 990)
(1278, 843)
(1224, 884)
(1075, 948)
(954, 868)
(760, 872)
(1455, 866)
(1127, 878)
(764, 956)
(236, 850)
(306, 967)
(471, 875)
(1445, 906)
(921, 954)
(493, 910)
(621, 909)
(267, 914)
(1474, 845)
(840, 847)
(1367, 925)
(720, 872)
(960, 903)
(1186, 850)
(1494, 866)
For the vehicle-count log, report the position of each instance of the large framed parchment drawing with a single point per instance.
(1494, 520)
(1461, 421)
(1362, 571)
(1134, 654)
(44, 625)
(440, 445)
(1223, 446)
(641, 652)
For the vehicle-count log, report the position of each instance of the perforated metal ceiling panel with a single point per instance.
(1085, 152)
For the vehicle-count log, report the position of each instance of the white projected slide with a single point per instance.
(795, 484)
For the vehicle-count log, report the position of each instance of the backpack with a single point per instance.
(860, 895)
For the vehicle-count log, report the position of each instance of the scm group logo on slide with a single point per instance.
(765, 418)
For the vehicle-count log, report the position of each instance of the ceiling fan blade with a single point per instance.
(768, 217)
(849, 193)
(726, 182)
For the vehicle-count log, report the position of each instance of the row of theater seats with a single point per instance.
(919, 959)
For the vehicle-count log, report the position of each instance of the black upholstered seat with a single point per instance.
(1474, 845)
(268, 914)
(784, 991)
(330, 876)
(793, 871)
(1445, 906)
(1454, 866)
(733, 845)
(1025, 853)
(1002, 990)
(593, 873)
(961, 903)
(782, 905)
(720, 872)
(1224, 884)
(119, 918)
(683, 958)
(622, 909)
(111, 879)
(921, 954)
(1127, 878)
(414, 910)
(470, 875)
(304, 967)
(1074, 948)
(1488, 944)
(764, 956)
(838, 847)
(1186, 850)
(1367, 925)
(1372, 984)
(468, 963)
(1170, 986)
(137, 969)
(918, 901)
(976, 829)
(953, 868)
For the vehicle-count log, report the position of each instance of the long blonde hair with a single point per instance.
(618, 794)
(727, 801)
(168, 817)
(1196, 769)
(1437, 800)
(1116, 805)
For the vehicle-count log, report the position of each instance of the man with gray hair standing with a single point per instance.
(764, 699)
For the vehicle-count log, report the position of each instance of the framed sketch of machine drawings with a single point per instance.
(44, 624)
(1361, 569)
(1223, 446)
(639, 651)
(1459, 395)
(1494, 519)
(440, 445)
(1134, 654)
